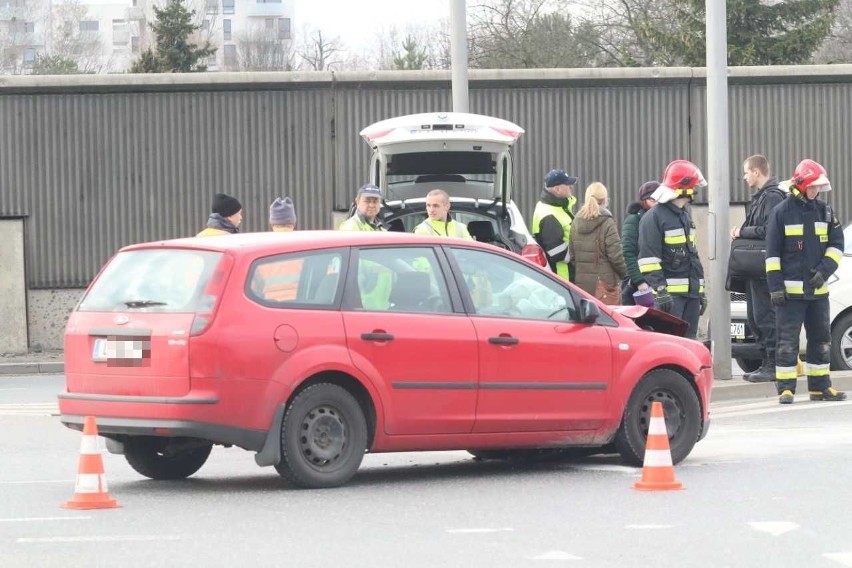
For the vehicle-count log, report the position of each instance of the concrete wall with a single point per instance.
(13, 299)
(48, 314)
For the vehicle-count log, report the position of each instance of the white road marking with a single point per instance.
(29, 409)
(774, 528)
(608, 468)
(478, 530)
(13, 389)
(842, 558)
(556, 555)
(772, 406)
(40, 519)
(23, 482)
(648, 527)
(117, 538)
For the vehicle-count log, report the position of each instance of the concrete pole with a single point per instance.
(719, 192)
(458, 49)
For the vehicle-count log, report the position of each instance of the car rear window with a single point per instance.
(161, 280)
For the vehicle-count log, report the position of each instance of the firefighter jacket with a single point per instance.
(802, 237)
(667, 254)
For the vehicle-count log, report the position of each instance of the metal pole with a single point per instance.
(719, 191)
(458, 49)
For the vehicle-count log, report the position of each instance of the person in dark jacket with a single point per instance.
(668, 258)
(804, 245)
(760, 313)
(552, 218)
(630, 242)
(226, 214)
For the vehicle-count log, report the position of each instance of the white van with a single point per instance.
(466, 155)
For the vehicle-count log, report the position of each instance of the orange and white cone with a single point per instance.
(657, 469)
(90, 488)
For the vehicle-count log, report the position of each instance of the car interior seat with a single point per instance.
(409, 291)
(483, 231)
(440, 178)
(326, 288)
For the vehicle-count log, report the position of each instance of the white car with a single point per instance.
(744, 350)
(468, 156)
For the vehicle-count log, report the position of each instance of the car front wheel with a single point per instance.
(841, 344)
(681, 409)
(166, 458)
(323, 437)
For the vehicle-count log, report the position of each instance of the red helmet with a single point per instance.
(808, 173)
(682, 177)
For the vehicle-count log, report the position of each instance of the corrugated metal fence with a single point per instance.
(95, 163)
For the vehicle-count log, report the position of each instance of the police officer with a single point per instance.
(804, 244)
(551, 223)
(368, 200)
(668, 259)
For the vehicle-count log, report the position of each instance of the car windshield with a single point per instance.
(162, 280)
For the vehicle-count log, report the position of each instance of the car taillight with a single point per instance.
(206, 307)
(534, 254)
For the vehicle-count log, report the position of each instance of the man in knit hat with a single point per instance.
(282, 215)
(225, 217)
(635, 281)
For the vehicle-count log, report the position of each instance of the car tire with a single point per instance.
(323, 438)
(165, 458)
(841, 344)
(749, 365)
(681, 408)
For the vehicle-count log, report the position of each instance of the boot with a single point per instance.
(828, 394)
(766, 372)
(786, 397)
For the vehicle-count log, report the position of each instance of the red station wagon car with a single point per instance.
(314, 347)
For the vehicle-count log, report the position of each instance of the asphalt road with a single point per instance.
(768, 486)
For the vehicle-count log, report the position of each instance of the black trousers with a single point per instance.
(814, 314)
(761, 316)
(687, 309)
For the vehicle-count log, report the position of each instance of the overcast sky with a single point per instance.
(356, 22)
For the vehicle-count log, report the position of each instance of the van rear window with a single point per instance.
(161, 280)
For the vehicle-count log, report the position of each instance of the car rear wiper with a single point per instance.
(143, 303)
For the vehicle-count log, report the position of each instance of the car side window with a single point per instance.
(288, 280)
(403, 279)
(499, 286)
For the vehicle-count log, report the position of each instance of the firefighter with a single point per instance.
(551, 222)
(804, 244)
(668, 259)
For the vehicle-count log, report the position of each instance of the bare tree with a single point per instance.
(17, 36)
(69, 40)
(318, 52)
(261, 49)
(837, 47)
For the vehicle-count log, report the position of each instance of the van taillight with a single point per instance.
(206, 307)
(534, 254)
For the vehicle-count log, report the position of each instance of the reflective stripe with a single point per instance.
(692, 237)
(785, 373)
(680, 289)
(657, 426)
(794, 230)
(817, 370)
(821, 228)
(89, 445)
(649, 264)
(674, 232)
(677, 285)
(657, 458)
(556, 250)
(773, 263)
(88, 483)
(821, 291)
(671, 281)
(834, 254)
(794, 286)
(674, 237)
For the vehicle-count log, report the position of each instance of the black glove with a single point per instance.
(663, 301)
(702, 297)
(817, 280)
(779, 298)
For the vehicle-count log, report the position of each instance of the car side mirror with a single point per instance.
(589, 311)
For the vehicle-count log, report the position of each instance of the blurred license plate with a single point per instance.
(738, 330)
(99, 350)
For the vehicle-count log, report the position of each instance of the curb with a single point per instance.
(33, 368)
(737, 388)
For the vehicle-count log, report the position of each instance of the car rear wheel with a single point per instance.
(681, 409)
(323, 437)
(166, 458)
(841, 344)
(749, 365)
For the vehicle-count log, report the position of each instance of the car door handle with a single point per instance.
(503, 340)
(377, 336)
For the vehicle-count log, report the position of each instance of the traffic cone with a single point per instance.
(657, 469)
(90, 488)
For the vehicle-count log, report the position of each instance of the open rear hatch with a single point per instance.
(130, 335)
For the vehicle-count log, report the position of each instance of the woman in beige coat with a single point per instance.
(594, 245)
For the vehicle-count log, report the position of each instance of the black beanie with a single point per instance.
(225, 205)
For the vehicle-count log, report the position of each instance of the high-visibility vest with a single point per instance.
(542, 210)
(354, 223)
(451, 228)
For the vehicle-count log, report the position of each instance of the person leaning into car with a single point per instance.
(552, 218)
(759, 310)
(368, 200)
(439, 222)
